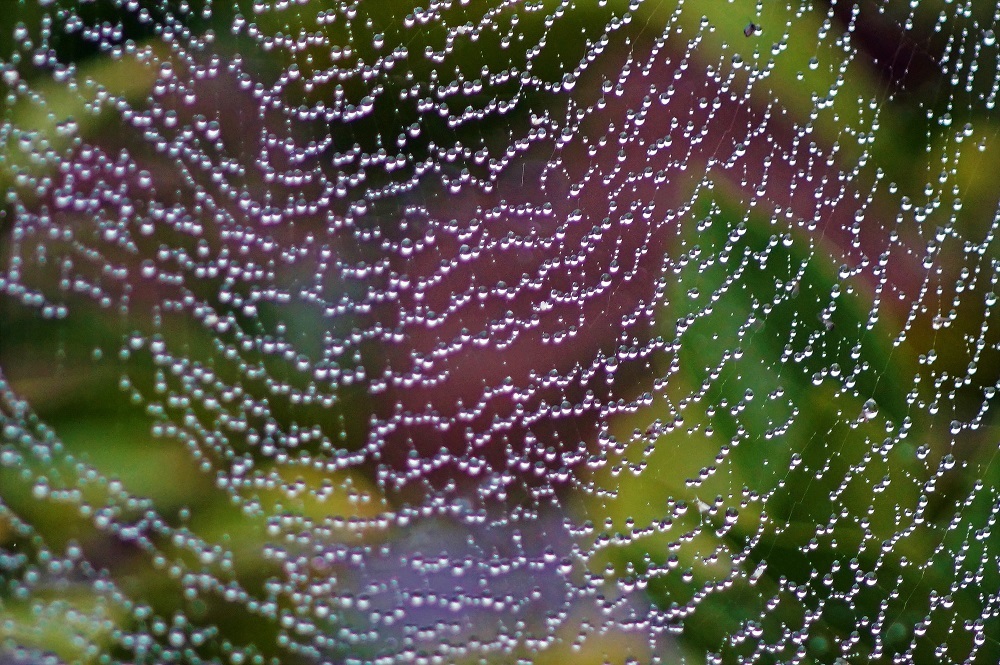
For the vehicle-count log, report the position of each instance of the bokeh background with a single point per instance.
(493, 331)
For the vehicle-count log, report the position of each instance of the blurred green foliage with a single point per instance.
(772, 434)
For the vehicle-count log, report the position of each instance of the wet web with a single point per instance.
(499, 332)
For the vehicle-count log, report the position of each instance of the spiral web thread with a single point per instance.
(658, 332)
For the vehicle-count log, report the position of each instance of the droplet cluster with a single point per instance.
(340, 332)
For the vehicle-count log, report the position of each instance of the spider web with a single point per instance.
(498, 332)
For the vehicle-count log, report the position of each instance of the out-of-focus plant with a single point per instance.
(710, 373)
